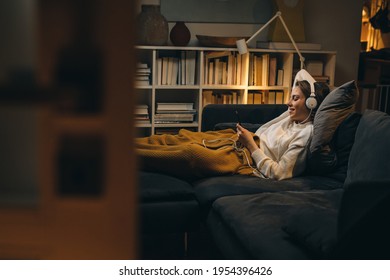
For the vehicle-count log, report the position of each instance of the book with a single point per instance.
(210, 78)
(175, 106)
(190, 67)
(272, 71)
(287, 46)
(159, 70)
(170, 70)
(275, 97)
(230, 70)
(160, 118)
(141, 110)
(265, 69)
(280, 77)
(193, 111)
(258, 75)
(183, 68)
(255, 97)
(164, 72)
(207, 97)
(174, 71)
(244, 68)
(141, 114)
(238, 69)
(142, 74)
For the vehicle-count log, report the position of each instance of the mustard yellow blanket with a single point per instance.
(194, 154)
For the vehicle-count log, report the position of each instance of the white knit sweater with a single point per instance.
(283, 147)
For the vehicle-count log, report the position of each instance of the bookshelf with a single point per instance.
(204, 75)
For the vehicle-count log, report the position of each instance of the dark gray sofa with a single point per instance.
(332, 212)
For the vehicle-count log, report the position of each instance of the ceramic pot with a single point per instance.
(152, 27)
(180, 34)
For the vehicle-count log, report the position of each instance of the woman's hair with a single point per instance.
(321, 91)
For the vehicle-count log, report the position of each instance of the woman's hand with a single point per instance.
(246, 138)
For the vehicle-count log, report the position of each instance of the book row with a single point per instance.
(225, 68)
(234, 97)
(173, 70)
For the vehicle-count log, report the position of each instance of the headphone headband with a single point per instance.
(304, 75)
(311, 101)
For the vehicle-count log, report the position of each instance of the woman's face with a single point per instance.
(296, 106)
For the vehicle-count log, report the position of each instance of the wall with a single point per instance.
(336, 25)
(333, 24)
(322, 19)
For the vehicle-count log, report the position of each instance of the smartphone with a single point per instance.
(238, 118)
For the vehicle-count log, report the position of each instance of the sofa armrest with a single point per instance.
(214, 114)
(363, 227)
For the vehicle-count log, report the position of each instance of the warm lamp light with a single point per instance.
(242, 45)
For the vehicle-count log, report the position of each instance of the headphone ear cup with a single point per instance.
(311, 103)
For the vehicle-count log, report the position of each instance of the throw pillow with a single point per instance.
(332, 160)
(333, 110)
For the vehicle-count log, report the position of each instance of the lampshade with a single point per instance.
(242, 45)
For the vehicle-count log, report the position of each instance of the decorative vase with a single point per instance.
(152, 27)
(180, 34)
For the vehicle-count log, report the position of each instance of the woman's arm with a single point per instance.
(291, 163)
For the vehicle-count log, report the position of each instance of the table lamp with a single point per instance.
(242, 44)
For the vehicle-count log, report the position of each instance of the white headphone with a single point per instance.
(311, 101)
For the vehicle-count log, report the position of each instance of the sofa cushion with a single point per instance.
(155, 187)
(166, 204)
(209, 189)
(333, 160)
(337, 105)
(370, 153)
(313, 227)
(256, 221)
(363, 227)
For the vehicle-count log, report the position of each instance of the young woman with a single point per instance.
(277, 150)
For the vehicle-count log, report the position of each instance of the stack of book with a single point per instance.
(142, 77)
(142, 114)
(174, 113)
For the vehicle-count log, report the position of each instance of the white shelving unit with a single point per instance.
(199, 92)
